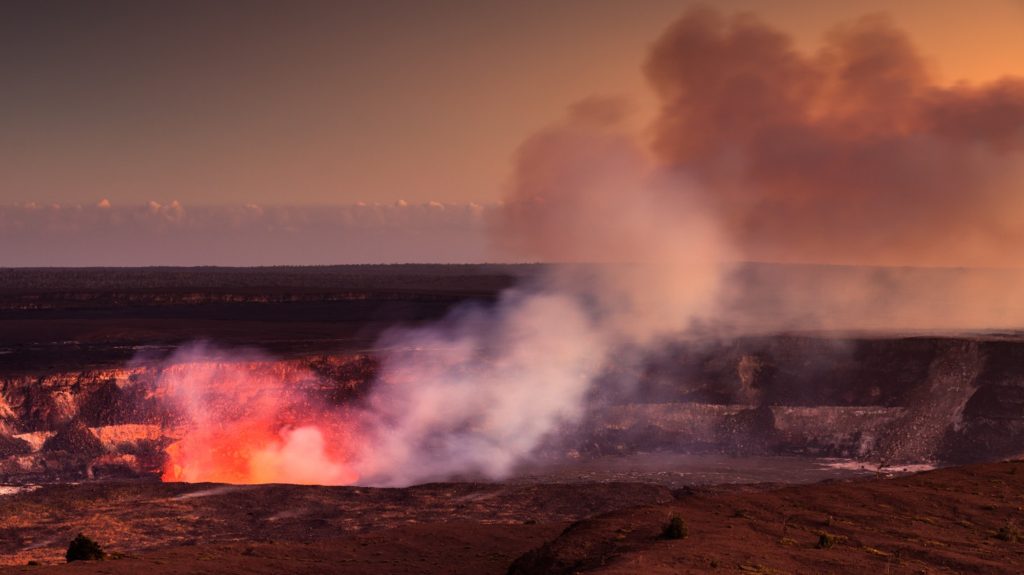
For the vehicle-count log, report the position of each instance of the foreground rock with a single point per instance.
(131, 517)
(960, 520)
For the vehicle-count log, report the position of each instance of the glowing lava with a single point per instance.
(247, 453)
(251, 422)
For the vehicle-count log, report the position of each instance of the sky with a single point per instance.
(195, 111)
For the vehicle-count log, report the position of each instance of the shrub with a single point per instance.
(826, 541)
(1009, 533)
(84, 549)
(674, 529)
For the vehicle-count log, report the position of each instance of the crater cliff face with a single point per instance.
(117, 421)
(882, 400)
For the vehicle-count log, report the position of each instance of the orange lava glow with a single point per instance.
(249, 422)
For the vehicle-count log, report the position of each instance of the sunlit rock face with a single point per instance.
(884, 400)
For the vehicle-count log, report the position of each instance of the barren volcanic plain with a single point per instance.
(792, 452)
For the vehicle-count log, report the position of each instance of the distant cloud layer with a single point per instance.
(853, 153)
(177, 234)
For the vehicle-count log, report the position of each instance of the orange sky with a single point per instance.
(333, 103)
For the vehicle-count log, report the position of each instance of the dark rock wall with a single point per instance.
(887, 400)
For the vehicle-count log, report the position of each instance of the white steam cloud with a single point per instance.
(476, 394)
(480, 391)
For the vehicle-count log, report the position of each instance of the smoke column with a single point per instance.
(850, 156)
(477, 393)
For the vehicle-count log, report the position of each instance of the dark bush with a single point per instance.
(84, 549)
(1009, 533)
(674, 529)
(826, 541)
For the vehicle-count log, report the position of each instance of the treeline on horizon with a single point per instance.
(391, 276)
(357, 277)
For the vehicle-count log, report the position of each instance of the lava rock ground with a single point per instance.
(954, 520)
(130, 517)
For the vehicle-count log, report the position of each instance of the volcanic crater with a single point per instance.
(89, 427)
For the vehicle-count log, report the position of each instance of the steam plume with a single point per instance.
(853, 154)
(477, 393)
(850, 155)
